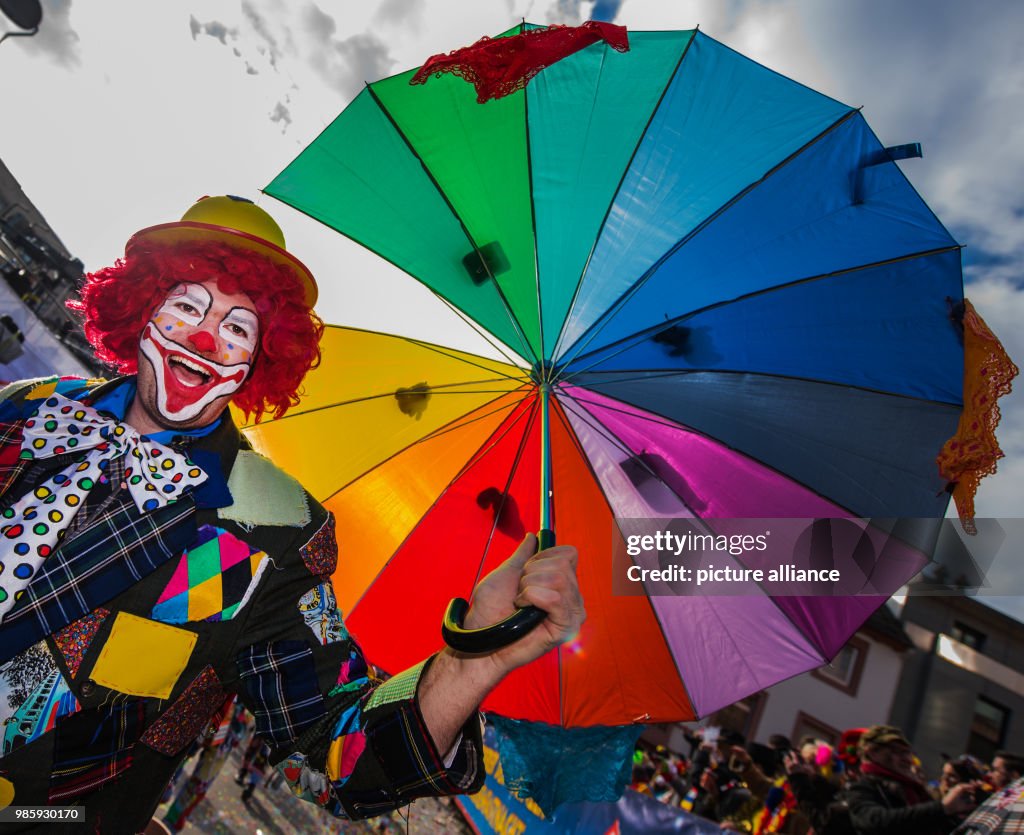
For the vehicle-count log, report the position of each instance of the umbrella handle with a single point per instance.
(497, 635)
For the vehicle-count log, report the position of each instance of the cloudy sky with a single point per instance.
(120, 114)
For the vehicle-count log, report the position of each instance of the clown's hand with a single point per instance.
(454, 685)
(547, 580)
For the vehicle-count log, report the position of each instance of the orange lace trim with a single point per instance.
(971, 454)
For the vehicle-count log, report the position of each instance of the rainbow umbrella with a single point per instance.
(717, 296)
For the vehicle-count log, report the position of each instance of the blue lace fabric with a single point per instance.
(555, 765)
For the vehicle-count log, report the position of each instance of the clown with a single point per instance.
(152, 566)
(179, 378)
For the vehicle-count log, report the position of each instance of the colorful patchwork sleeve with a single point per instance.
(342, 738)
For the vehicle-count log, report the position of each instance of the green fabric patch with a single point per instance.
(399, 688)
(203, 562)
(264, 494)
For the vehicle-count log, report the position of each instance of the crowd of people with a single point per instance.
(871, 783)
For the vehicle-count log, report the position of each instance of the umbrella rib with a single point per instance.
(641, 374)
(451, 353)
(516, 326)
(491, 441)
(533, 410)
(586, 462)
(451, 426)
(482, 332)
(595, 422)
(663, 420)
(533, 222)
(432, 390)
(437, 293)
(632, 340)
(618, 188)
(633, 289)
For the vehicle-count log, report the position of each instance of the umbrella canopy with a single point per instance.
(724, 288)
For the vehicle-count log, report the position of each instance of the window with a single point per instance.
(846, 668)
(806, 725)
(742, 716)
(968, 635)
(988, 728)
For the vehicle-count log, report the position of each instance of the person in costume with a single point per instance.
(152, 565)
(889, 799)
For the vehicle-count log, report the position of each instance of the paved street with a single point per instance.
(276, 812)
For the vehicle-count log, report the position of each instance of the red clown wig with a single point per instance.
(116, 302)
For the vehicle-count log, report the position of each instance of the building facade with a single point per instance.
(37, 276)
(962, 687)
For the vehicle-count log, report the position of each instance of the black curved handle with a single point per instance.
(497, 635)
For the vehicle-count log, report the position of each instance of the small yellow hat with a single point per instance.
(233, 220)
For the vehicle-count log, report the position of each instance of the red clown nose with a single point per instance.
(202, 341)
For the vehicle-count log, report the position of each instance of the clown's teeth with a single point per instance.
(188, 373)
(191, 366)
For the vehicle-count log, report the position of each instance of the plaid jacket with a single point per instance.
(139, 627)
(1002, 813)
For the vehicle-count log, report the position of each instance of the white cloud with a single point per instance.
(214, 28)
(345, 64)
(406, 13)
(263, 29)
(569, 12)
(281, 114)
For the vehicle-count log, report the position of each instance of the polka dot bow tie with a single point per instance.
(154, 475)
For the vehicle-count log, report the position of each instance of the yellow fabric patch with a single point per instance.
(44, 389)
(334, 758)
(205, 599)
(143, 657)
(6, 793)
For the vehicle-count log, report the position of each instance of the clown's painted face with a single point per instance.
(194, 354)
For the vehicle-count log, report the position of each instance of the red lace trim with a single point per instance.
(499, 66)
(971, 454)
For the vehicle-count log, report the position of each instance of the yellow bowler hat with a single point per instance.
(233, 220)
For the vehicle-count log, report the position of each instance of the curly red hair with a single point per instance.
(116, 302)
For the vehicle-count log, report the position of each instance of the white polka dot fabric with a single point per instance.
(154, 474)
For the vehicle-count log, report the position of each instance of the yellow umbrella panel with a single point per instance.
(373, 395)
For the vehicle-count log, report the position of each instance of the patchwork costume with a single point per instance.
(144, 582)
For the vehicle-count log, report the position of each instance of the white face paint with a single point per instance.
(240, 329)
(186, 381)
(187, 302)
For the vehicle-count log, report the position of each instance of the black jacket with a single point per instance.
(878, 807)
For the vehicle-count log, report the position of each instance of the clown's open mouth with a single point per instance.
(186, 383)
(187, 372)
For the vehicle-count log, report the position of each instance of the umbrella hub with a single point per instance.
(544, 372)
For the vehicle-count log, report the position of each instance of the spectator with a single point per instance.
(808, 749)
(818, 794)
(965, 769)
(1005, 769)
(890, 800)
(710, 774)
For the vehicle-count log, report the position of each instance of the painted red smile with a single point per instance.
(186, 378)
